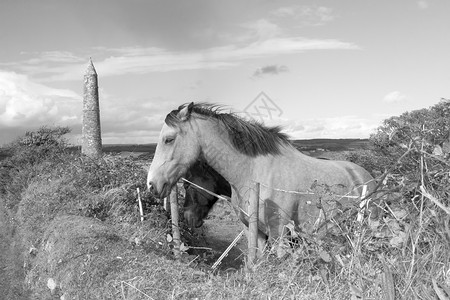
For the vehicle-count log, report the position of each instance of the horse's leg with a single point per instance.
(277, 219)
(282, 244)
(262, 243)
(274, 220)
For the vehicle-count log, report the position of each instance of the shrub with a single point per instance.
(31, 155)
(411, 152)
(42, 183)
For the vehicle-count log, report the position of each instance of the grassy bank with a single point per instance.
(77, 234)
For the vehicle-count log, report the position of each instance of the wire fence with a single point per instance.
(253, 211)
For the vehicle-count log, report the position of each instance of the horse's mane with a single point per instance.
(249, 137)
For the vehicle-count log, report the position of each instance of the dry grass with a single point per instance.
(81, 219)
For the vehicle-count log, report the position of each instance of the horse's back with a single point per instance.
(357, 174)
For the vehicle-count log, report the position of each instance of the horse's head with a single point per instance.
(198, 203)
(177, 150)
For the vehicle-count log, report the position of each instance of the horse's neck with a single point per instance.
(221, 155)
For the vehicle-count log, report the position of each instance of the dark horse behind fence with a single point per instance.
(198, 203)
(245, 153)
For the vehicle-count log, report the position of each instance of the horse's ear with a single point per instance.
(185, 112)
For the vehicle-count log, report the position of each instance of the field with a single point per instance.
(302, 145)
(314, 147)
(308, 146)
(70, 229)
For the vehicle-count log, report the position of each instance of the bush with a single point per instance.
(410, 153)
(371, 160)
(31, 155)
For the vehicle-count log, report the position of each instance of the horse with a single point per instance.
(198, 203)
(246, 152)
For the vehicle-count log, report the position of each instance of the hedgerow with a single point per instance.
(43, 180)
(410, 154)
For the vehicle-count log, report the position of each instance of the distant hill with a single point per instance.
(331, 144)
(4, 153)
(308, 146)
(302, 145)
(114, 148)
(142, 149)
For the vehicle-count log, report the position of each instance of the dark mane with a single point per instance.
(249, 137)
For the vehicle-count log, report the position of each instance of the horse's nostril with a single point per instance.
(151, 187)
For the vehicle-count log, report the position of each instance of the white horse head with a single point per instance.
(177, 150)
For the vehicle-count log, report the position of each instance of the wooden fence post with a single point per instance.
(141, 210)
(174, 216)
(166, 204)
(253, 212)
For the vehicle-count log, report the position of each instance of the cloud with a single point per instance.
(339, 127)
(195, 85)
(53, 57)
(285, 11)
(133, 120)
(255, 39)
(261, 29)
(23, 101)
(141, 60)
(311, 15)
(213, 58)
(270, 70)
(394, 97)
(423, 4)
(26, 105)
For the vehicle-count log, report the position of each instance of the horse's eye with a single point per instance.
(169, 140)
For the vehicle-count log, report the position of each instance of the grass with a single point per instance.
(77, 226)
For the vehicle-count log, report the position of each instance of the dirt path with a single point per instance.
(11, 271)
(4, 250)
(219, 230)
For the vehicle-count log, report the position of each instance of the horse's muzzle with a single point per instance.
(153, 188)
(192, 220)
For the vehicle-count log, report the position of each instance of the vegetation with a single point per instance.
(410, 153)
(41, 182)
(79, 234)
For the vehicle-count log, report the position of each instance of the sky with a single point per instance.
(320, 69)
